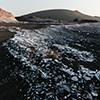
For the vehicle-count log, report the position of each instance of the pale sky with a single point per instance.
(21, 7)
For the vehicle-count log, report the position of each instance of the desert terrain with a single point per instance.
(49, 60)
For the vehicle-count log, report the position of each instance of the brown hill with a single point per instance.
(6, 16)
(59, 14)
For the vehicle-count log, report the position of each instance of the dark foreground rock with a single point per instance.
(10, 85)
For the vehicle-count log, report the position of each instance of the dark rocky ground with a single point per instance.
(9, 85)
(19, 82)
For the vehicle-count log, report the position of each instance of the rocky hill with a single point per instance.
(59, 14)
(6, 16)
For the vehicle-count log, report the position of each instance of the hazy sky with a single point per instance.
(20, 7)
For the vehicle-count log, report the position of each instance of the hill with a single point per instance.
(6, 16)
(58, 14)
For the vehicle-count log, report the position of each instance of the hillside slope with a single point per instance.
(6, 16)
(59, 14)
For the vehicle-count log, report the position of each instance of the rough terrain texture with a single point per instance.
(60, 62)
(6, 16)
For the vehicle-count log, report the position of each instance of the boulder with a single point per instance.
(76, 20)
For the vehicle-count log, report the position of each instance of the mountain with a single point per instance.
(6, 16)
(58, 14)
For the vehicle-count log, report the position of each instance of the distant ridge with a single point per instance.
(6, 16)
(59, 14)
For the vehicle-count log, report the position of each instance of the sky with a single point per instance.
(21, 7)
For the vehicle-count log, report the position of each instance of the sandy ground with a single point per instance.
(5, 34)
